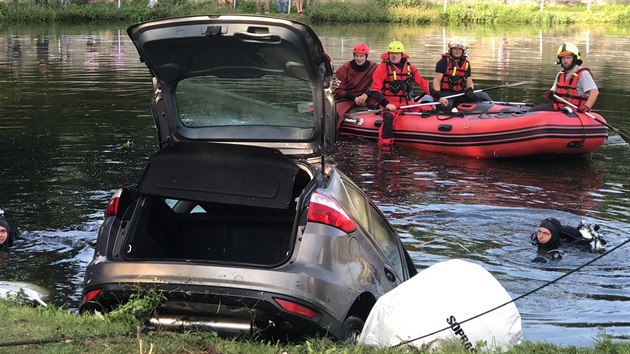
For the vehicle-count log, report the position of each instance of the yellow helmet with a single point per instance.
(569, 49)
(457, 42)
(395, 47)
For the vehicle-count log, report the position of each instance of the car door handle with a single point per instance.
(258, 37)
(390, 275)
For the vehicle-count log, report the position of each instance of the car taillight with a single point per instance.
(91, 295)
(325, 210)
(296, 308)
(112, 206)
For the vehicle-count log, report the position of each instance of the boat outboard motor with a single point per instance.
(592, 234)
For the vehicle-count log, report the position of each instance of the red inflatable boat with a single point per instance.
(487, 130)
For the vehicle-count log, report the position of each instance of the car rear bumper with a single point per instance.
(227, 311)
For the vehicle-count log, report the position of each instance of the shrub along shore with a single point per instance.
(335, 11)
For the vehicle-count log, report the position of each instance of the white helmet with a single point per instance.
(457, 42)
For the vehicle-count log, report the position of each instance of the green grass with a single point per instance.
(54, 330)
(336, 11)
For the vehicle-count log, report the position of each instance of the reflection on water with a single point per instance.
(75, 125)
(421, 177)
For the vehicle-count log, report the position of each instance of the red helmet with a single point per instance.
(361, 48)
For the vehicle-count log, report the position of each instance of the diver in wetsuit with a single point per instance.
(8, 234)
(551, 234)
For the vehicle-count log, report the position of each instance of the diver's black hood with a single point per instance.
(554, 226)
(12, 233)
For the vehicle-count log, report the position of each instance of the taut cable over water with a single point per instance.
(521, 296)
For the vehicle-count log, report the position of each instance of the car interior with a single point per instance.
(183, 230)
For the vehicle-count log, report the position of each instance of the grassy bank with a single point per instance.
(336, 11)
(53, 330)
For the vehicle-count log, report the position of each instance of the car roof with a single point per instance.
(237, 79)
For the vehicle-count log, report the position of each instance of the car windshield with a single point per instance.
(269, 100)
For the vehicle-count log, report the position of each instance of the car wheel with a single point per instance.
(351, 329)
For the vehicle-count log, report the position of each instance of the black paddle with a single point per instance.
(304, 107)
(507, 103)
(479, 90)
(401, 107)
(623, 134)
(491, 88)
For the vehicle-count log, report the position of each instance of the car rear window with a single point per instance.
(269, 100)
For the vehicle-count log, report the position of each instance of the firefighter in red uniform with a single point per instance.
(574, 83)
(392, 87)
(354, 79)
(453, 76)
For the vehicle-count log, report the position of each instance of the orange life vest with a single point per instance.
(454, 79)
(567, 88)
(399, 82)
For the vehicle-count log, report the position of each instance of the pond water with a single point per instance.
(75, 125)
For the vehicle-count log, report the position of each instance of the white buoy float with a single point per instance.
(29, 292)
(437, 300)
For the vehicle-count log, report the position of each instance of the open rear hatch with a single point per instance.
(216, 203)
(239, 79)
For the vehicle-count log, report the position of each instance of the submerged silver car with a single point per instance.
(240, 220)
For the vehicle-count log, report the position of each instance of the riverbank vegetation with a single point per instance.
(335, 11)
(54, 330)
